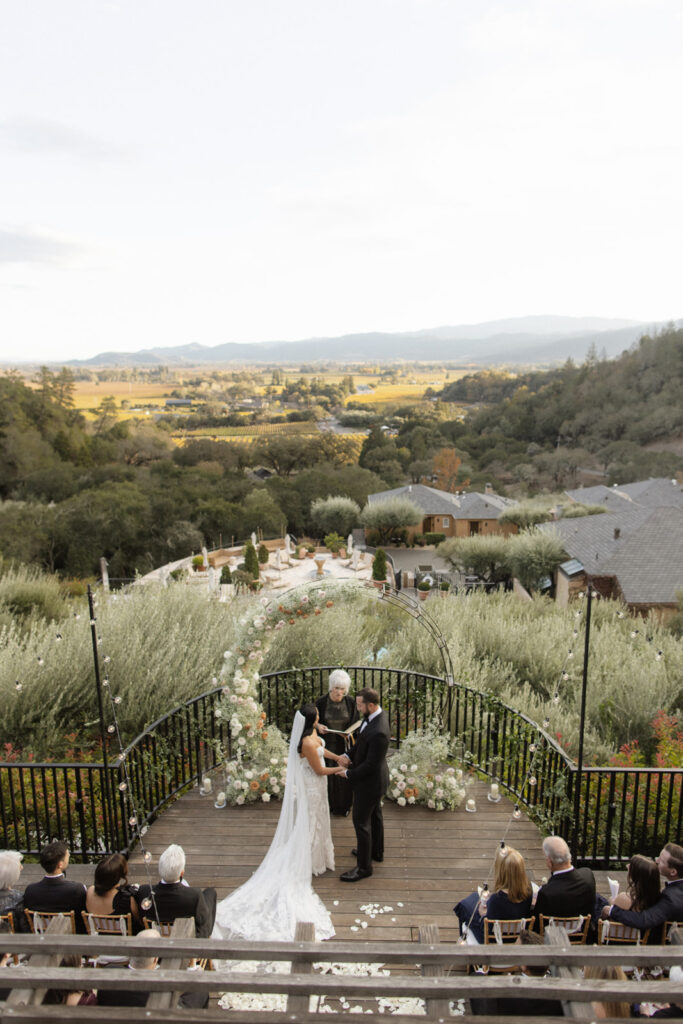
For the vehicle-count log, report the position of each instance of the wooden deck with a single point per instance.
(431, 859)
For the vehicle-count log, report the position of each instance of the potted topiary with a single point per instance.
(263, 554)
(198, 563)
(444, 587)
(226, 575)
(423, 588)
(299, 552)
(333, 542)
(226, 583)
(251, 562)
(379, 568)
(310, 550)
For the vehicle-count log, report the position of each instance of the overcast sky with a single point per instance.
(252, 170)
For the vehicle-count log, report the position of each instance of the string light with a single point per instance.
(40, 660)
(18, 686)
(517, 814)
(111, 728)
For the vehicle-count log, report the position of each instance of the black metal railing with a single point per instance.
(623, 810)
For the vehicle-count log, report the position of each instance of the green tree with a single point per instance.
(534, 555)
(379, 565)
(390, 516)
(484, 555)
(335, 513)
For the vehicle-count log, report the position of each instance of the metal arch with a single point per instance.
(398, 599)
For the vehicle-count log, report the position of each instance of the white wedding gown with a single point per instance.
(279, 893)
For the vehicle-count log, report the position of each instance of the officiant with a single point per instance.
(337, 712)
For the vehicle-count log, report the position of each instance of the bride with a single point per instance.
(279, 893)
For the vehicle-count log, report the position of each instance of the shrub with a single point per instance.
(226, 575)
(434, 538)
(379, 566)
(333, 542)
(339, 514)
(198, 563)
(263, 554)
(251, 562)
(424, 585)
(390, 516)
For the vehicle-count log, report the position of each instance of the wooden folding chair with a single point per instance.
(165, 929)
(667, 928)
(108, 924)
(8, 919)
(612, 932)
(504, 932)
(575, 927)
(39, 920)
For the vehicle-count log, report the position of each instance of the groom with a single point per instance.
(366, 769)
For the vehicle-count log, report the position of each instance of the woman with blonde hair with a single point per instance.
(510, 900)
(607, 973)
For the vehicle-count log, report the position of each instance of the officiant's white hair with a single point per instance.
(339, 678)
(10, 868)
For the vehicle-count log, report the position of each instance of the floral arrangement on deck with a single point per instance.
(419, 772)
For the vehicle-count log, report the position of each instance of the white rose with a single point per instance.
(411, 782)
(401, 801)
(430, 804)
(411, 799)
(401, 785)
(242, 742)
(438, 778)
(438, 793)
(413, 767)
(395, 793)
(239, 800)
(404, 767)
(450, 771)
(265, 797)
(275, 788)
(430, 785)
(249, 775)
(227, 654)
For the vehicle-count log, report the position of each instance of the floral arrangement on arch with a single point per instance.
(419, 773)
(257, 770)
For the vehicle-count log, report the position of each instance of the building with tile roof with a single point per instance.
(463, 514)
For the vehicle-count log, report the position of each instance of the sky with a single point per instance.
(177, 172)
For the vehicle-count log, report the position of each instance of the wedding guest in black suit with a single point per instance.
(174, 898)
(365, 766)
(569, 891)
(669, 906)
(337, 711)
(53, 894)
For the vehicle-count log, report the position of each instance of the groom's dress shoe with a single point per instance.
(356, 874)
(378, 860)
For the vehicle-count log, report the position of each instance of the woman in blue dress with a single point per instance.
(510, 900)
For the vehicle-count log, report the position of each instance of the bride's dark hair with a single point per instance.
(309, 711)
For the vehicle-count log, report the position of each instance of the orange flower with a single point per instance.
(253, 784)
(298, 611)
(263, 776)
(248, 725)
(328, 604)
(304, 616)
(264, 735)
(317, 611)
(291, 622)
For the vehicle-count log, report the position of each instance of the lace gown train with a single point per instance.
(279, 893)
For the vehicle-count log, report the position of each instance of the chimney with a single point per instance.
(617, 533)
(488, 489)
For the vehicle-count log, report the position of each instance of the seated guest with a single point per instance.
(607, 973)
(128, 997)
(11, 899)
(569, 891)
(642, 889)
(673, 1009)
(53, 894)
(510, 899)
(525, 1007)
(111, 893)
(669, 906)
(62, 997)
(173, 897)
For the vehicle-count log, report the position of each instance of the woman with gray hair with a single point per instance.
(10, 897)
(337, 712)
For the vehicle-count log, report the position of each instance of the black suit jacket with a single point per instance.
(56, 895)
(177, 900)
(369, 770)
(567, 894)
(669, 907)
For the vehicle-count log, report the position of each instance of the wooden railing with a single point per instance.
(431, 972)
(623, 810)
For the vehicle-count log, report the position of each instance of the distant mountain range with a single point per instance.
(531, 339)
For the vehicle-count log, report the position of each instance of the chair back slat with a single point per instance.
(39, 920)
(575, 927)
(507, 930)
(610, 931)
(8, 918)
(108, 924)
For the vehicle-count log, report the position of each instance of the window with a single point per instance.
(446, 522)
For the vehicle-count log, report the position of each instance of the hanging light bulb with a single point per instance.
(556, 698)
(532, 780)
(516, 814)
(658, 656)
(570, 654)
(123, 786)
(106, 659)
(620, 615)
(58, 637)
(105, 681)
(132, 820)
(147, 857)
(117, 700)
(40, 660)
(18, 686)
(111, 728)
(634, 634)
(146, 903)
(532, 748)
(565, 676)
(92, 622)
(99, 641)
(546, 723)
